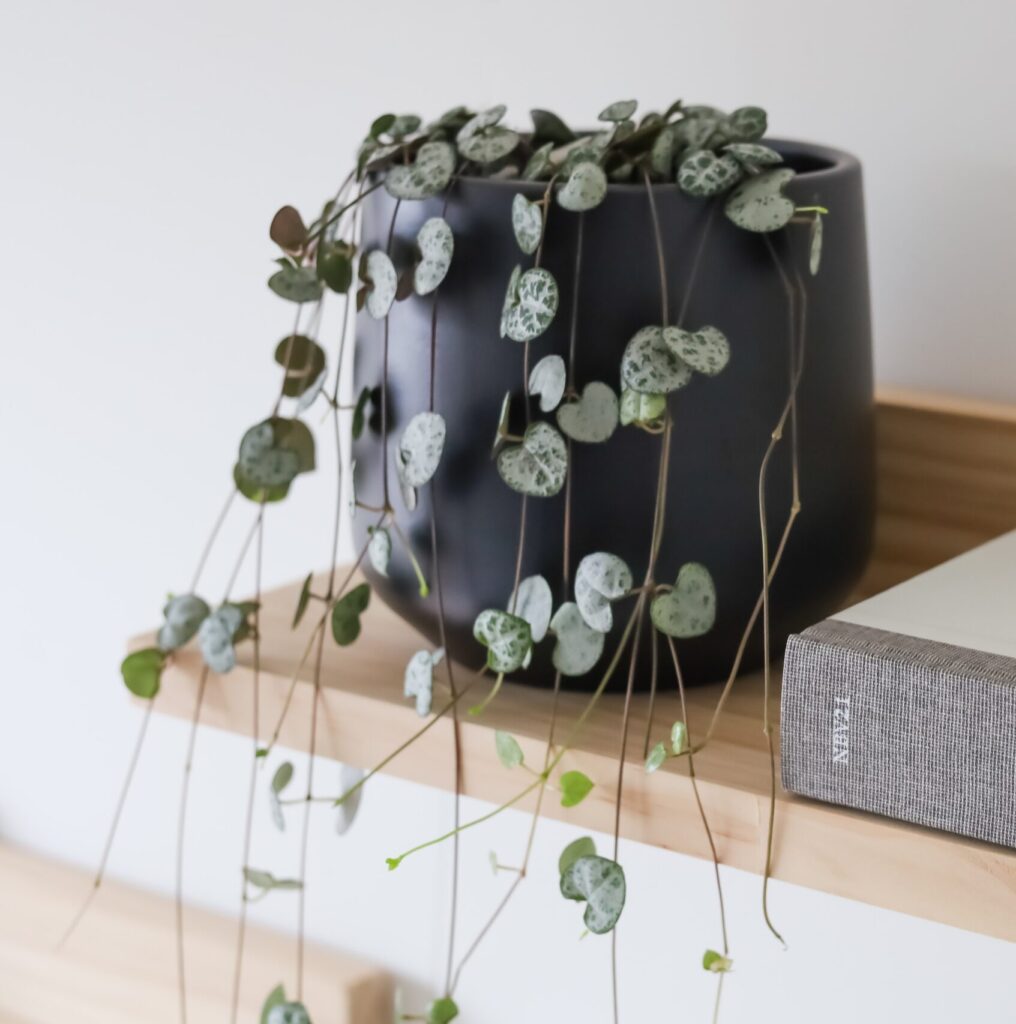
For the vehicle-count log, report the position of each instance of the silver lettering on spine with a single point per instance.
(841, 730)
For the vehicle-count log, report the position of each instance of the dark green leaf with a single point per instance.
(359, 413)
(335, 265)
(381, 124)
(142, 671)
(548, 127)
(303, 600)
(346, 614)
(303, 360)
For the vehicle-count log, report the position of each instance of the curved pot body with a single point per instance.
(722, 425)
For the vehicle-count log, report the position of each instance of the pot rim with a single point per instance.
(836, 162)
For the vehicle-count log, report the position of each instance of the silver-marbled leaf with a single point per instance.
(481, 121)
(511, 299)
(585, 188)
(593, 417)
(753, 155)
(382, 283)
(436, 245)
(746, 124)
(534, 602)
(538, 465)
(527, 223)
(706, 350)
(578, 648)
(507, 637)
(703, 174)
(600, 579)
(540, 164)
(183, 614)
(639, 408)
(548, 379)
(215, 637)
(420, 448)
(536, 301)
(650, 367)
(490, 145)
(379, 549)
(418, 681)
(600, 883)
(689, 610)
(621, 110)
(758, 204)
(429, 173)
(296, 284)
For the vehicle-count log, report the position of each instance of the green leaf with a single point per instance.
(650, 367)
(272, 454)
(534, 602)
(289, 1013)
(593, 417)
(656, 757)
(575, 787)
(585, 188)
(379, 549)
(303, 361)
(420, 448)
(296, 284)
(746, 124)
(538, 466)
(641, 409)
(287, 229)
(488, 146)
(703, 174)
(706, 350)
(381, 125)
(600, 578)
(550, 129)
(335, 265)
(759, 204)
(403, 124)
(509, 753)
(678, 738)
(578, 647)
(716, 962)
(508, 639)
(428, 174)
(282, 777)
(664, 151)
(548, 379)
(502, 422)
(600, 882)
(532, 304)
(184, 615)
(266, 881)
(540, 164)
(436, 245)
(418, 680)
(303, 600)
(142, 671)
(815, 245)
(689, 610)
(359, 413)
(346, 614)
(480, 122)
(582, 847)
(382, 283)
(619, 111)
(527, 223)
(276, 997)
(441, 1011)
(752, 155)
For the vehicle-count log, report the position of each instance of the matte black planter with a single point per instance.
(721, 425)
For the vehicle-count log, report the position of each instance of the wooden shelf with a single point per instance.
(947, 482)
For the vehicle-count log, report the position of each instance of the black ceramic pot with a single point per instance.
(721, 425)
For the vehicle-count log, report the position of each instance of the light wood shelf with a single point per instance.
(947, 481)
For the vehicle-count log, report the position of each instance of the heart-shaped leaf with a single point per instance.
(508, 639)
(540, 164)
(656, 757)
(549, 128)
(296, 284)
(716, 962)
(527, 223)
(538, 466)
(335, 265)
(420, 448)
(689, 610)
(184, 614)
(619, 111)
(746, 124)
(600, 882)
(402, 125)
(350, 778)
(600, 578)
(702, 173)
(142, 671)
(436, 244)
(489, 145)
(418, 681)
(216, 636)
(481, 121)
(693, 132)
(511, 299)
(382, 283)
(575, 787)
(428, 174)
(578, 647)
(287, 229)
(641, 409)
(442, 1011)
(706, 350)
(272, 454)
(509, 753)
(593, 418)
(547, 379)
(534, 602)
(582, 847)
(346, 614)
(753, 155)
(815, 246)
(759, 204)
(303, 361)
(275, 997)
(288, 1013)
(585, 188)
(650, 367)
(379, 549)
(533, 306)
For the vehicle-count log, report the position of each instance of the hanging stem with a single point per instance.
(384, 372)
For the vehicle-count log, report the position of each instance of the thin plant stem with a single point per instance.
(210, 542)
(660, 259)
(384, 371)
(320, 229)
(696, 263)
(654, 671)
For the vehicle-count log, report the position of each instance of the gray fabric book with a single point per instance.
(905, 704)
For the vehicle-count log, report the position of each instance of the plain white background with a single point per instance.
(144, 148)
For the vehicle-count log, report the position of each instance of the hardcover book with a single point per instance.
(905, 704)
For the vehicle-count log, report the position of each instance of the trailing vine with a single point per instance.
(709, 156)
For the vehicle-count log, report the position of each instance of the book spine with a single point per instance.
(903, 727)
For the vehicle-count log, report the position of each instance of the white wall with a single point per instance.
(144, 147)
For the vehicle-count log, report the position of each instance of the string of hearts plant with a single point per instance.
(710, 156)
